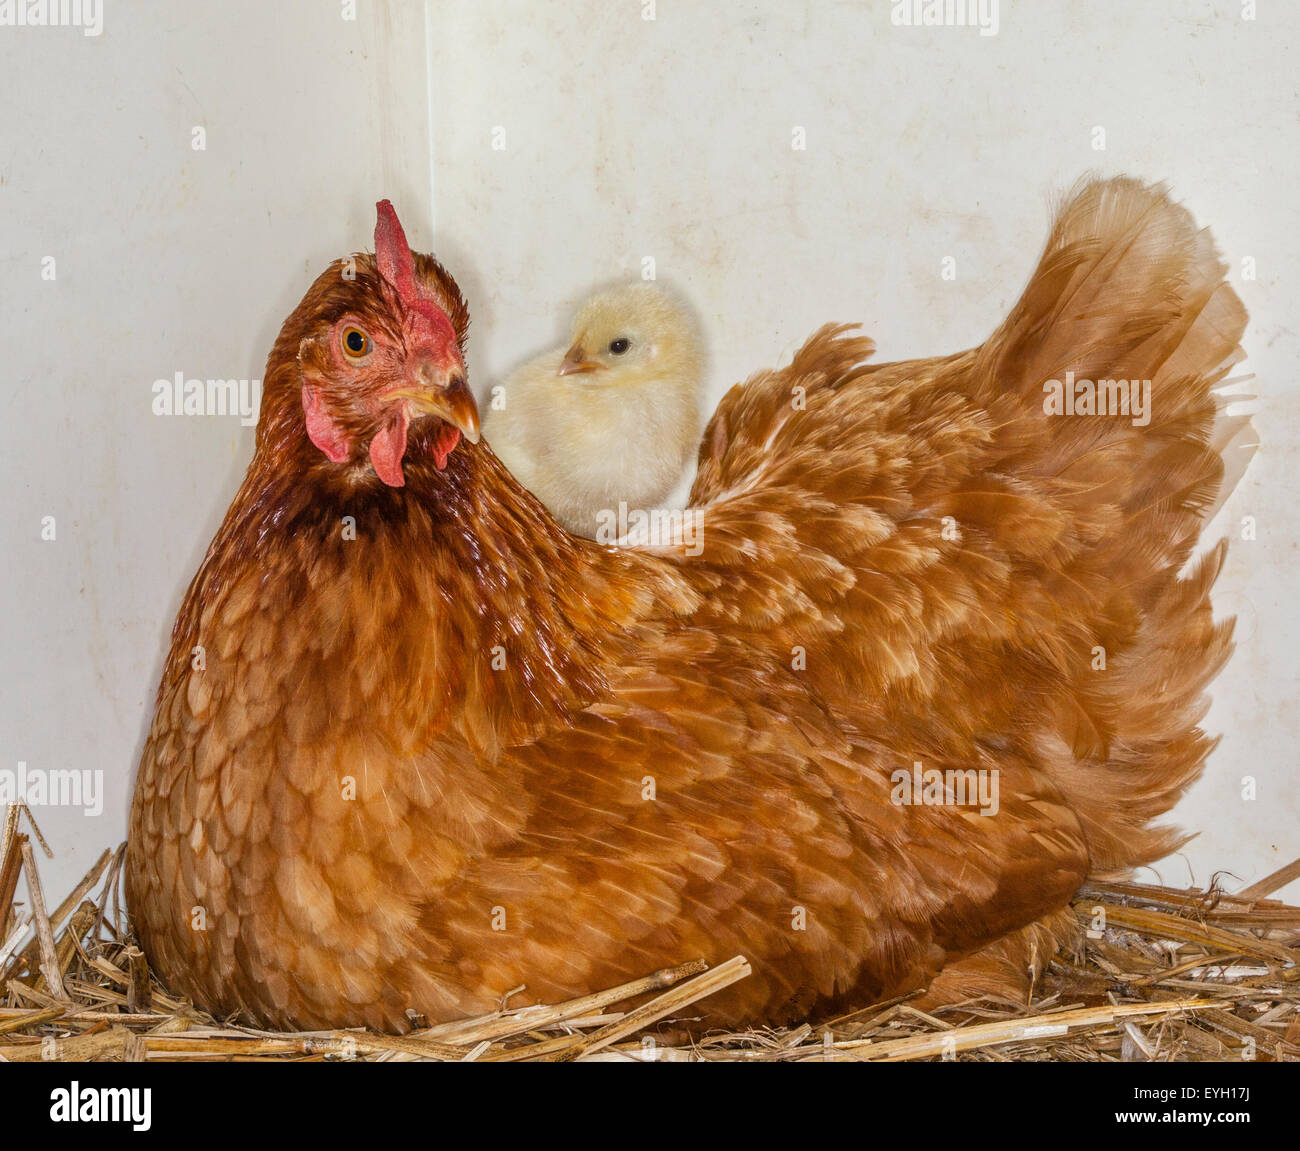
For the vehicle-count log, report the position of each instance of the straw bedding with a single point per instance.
(1165, 975)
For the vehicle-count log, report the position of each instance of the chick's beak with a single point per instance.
(575, 361)
(442, 392)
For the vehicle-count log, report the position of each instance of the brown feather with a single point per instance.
(466, 751)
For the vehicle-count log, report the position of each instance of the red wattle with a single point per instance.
(444, 444)
(388, 447)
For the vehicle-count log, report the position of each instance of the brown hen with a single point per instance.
(416, 746)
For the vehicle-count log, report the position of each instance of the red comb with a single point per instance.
(393, 254)
(397, 266)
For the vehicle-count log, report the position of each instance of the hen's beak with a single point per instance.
(442, 394)
(575, 361)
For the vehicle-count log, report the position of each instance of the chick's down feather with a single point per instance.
(612, 420)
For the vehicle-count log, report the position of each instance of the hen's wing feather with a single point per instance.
(712, 807)
(1059, 570)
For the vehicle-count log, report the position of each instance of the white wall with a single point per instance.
(625, 138)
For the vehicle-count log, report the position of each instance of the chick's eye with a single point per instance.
(619, 346)
(355, 342)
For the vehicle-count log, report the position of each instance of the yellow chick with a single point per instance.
(615, 417)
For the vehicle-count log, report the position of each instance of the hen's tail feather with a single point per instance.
(1236, 441)
(1129, 289)
(1074, 530)
(1123, 276)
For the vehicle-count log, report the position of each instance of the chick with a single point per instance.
(612, 419)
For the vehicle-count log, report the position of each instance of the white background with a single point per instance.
(624, 139)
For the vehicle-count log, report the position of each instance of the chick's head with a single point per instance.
(638, 334)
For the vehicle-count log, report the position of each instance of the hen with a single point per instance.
(415, 745)
(613, 419)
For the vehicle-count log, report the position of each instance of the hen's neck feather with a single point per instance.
(473, 604)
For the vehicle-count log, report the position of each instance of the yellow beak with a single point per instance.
(575, 361)
(447, 397)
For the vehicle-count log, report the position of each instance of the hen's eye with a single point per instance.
(619, 346)
(355, 342)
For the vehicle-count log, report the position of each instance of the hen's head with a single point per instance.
(376, 349)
